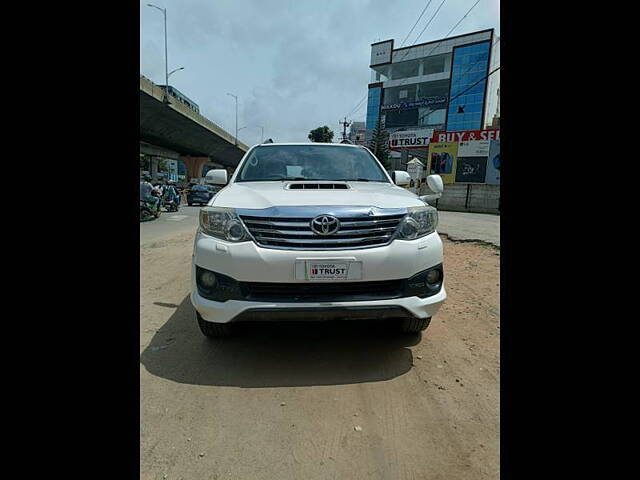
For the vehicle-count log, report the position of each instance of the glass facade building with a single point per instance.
(468, 86)
(373, 107)
(439, 84)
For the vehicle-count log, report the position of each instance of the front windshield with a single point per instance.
(310, 162)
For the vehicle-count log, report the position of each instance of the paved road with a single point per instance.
(185, 220)
(319, 401)
(470, 226)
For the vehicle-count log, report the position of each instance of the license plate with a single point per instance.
(327, 271)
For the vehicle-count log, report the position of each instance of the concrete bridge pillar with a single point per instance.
(194, 166)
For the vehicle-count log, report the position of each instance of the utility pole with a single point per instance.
(344, 124)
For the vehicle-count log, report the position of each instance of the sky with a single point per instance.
(294, 64)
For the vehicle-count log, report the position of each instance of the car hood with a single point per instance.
(260, 195)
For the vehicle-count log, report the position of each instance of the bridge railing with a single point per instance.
(157, 92)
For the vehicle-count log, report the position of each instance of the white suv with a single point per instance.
(314, 231)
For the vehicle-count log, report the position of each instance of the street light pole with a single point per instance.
(234, 96)
(174, 71)
(166, 55)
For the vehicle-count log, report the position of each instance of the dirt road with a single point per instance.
(284, 401)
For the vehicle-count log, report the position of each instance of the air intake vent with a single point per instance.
(317, 186)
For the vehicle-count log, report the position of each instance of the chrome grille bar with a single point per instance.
(358, 229)
(327, 240)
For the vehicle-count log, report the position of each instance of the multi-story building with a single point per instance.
(439, 84)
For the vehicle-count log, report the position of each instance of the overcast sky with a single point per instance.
(294, 64)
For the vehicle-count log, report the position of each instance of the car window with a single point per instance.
(310, 162)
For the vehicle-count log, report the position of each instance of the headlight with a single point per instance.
(222, 223)
(420, 221)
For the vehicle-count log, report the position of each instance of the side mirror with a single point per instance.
(216, 177)
(401, 178)
(436, 185)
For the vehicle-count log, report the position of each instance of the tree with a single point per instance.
(321, 135)
(379, 144)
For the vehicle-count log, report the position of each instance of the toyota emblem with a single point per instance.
(325, 225)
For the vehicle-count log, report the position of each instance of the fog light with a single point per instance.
(208, 279)
(433, 276)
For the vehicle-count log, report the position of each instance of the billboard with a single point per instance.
(493, 163)
(471, 169)
(473, 148)
(442, 160)
(419, 138)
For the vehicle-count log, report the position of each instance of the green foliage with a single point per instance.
(321, 135)
(379, 144)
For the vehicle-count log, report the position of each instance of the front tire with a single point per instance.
(414, 325)
(212, 329)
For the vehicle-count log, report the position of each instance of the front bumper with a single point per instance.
(247, 262)
(237, 310)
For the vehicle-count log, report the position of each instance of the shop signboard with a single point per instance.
(467, 135)
(418, 138)
(425, 102)
(493, 163)
(442, 160)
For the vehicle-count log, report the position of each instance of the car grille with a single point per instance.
(296, 233)
(312, 292)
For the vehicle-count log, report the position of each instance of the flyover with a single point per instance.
(176, 128)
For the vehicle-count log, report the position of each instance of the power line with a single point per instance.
(428, 23)
(414, 25)
(358, 105)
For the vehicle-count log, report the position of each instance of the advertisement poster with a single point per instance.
(471, 169)
(442, 160)
(473, 148)
(493, 163)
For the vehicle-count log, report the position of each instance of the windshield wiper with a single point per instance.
(353, 180)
